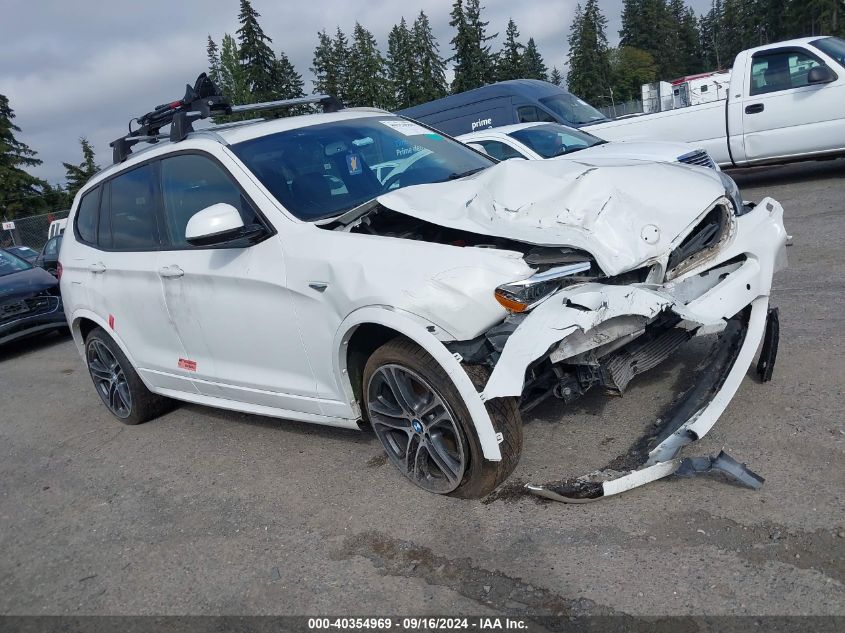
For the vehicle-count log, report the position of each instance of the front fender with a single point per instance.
(410, 325)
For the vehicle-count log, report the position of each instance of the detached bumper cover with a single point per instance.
(727, 294)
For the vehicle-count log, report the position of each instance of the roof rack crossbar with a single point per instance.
(201, 101)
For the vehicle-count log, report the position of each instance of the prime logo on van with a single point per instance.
(482, 124)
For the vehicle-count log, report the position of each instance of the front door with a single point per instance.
(229, 304)
(784, 116)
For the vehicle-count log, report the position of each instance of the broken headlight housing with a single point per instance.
(520, 296)
(732, 193)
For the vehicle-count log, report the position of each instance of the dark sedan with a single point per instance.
(29, 299)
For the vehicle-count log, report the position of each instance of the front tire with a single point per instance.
(118, 384)
(425, 427)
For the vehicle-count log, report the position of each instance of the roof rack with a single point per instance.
(201, 101)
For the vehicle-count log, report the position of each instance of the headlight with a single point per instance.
(519, 296)
(732, 192)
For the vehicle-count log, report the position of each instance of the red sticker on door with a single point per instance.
(189, 365)
(111, 321)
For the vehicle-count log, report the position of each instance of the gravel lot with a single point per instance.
(204, 511)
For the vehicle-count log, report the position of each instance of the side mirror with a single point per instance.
(218, 224)
(820, 75)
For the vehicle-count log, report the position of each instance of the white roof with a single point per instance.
(798, 41)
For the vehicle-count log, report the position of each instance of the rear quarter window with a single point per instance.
(132, 206)
(86, 217)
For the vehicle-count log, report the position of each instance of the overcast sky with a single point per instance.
(84, 68)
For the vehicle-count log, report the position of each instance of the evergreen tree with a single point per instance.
(556, 78)
(510, 65)
(55, 198)
(402, 68)
(474, 64)
(213, 54)
(367, 83)
(287, 84)
(431, 69)
(256, 56)
(533, 65)
(19, 190)
(77, 175)
(326, 77)
(340, 62)
(649, 26)
(589, 67)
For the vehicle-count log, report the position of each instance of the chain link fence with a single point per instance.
(622, 108)
(30, 231)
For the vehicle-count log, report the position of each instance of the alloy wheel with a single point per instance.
(109, 379)
(417, 428)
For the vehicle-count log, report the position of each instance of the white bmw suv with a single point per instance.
(269, 267)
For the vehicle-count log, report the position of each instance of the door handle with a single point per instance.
(170, 271)
(97, 268)
(754, 108)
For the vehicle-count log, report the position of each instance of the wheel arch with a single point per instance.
(83, 321)
(366, 329)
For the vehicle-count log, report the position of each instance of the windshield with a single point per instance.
(11, 264)
(833, 46)
(571, 108)
(550, 139)
(321, 171)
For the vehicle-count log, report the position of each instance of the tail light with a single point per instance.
(58, 270)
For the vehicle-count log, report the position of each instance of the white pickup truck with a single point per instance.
(785, 103)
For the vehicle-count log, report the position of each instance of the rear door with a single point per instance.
(229, 303)
(782, 114)
(123, 284)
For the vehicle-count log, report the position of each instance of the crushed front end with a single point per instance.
(600, 333)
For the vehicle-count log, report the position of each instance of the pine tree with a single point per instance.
(510, 63)
(256, 56)
(589, 67)
(367, 82)
(431, 69)
(340, 62)
(77, 175)
(19, 190)
(213, 54)
(287, 84)
(533, 65)
(402, 68)
(326, 78)
(474, 64)
(556, 78)
(648, 25)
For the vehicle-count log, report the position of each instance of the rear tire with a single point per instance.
(118, 384)
(427, 431)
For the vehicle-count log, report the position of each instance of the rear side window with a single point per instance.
(86, 217)
(190, 183)
(132, 207)
(499, 150)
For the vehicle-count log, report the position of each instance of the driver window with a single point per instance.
(190, 183)
(781, 70)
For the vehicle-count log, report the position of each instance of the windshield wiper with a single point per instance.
(466, 173)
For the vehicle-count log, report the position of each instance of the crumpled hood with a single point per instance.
(604, 207)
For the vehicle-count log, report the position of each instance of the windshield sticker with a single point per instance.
(353, 162)
(408, 128)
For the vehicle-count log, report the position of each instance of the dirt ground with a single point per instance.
(205, 511)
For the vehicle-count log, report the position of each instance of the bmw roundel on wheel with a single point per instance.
(352, 267)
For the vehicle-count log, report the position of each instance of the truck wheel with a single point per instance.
(117, 383)
(425, 427)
